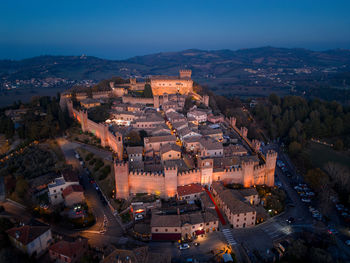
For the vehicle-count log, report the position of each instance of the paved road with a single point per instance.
(113, 230)
(210, 241)
(301, 210)
(68, 148)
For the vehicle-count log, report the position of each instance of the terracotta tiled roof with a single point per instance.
(180, 220)
(189, 189)
(69, 249)
(230, 199)
(167, 138)
(134, 150)
(26, 234)
(72, 188)
(170, 147)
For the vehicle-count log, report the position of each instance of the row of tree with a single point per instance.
(296, 120)
(44, 119)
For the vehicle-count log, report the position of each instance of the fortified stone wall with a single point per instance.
(142, 182)
(233, 175)
(189, 177)
(136, 100)
(100, 130)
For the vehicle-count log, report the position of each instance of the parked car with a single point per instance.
(196, 244)
(184, 246)
(306, 200)
(347, 242)
(333, 231)
(290, 220)
(138, 217)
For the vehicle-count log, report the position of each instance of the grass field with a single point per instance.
(321, 154)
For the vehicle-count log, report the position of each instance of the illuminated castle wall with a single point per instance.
(165, 183)
(100, 130)
(182, 84)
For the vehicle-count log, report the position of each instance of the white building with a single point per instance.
(31, 239)
(59, 184)
(198, 115)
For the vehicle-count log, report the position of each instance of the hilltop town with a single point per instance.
(143, 166)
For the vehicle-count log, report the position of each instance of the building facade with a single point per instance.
(166, 182)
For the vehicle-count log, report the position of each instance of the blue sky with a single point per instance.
(120, 29)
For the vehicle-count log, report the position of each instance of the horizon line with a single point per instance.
(189, 49)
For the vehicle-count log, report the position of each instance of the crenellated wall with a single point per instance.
(100, 130)
(137, 100)
(151, 183)
(189, 177)
(165, 183)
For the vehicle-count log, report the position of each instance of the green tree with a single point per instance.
(274, 99)
(293, 134)
(148, 91)
(134, 138)
(339, 145)
(21, 187)
(294, 148)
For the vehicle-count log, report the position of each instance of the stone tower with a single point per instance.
(205, 100)
(83, 119)
(121, 176)
(206, 167)
(120, 147)
(248, 173)
(244, 132)
(185, 73)
(69, 108)
(233, 121)
(132, 81)
(170, 181)
(271, 157)
(156, 102)
(256, 145)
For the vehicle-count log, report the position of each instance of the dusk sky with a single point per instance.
(120, 29)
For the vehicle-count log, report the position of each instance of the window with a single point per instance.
(54, 191)
(175, 229)
(237, 220)
(169, 155)
(245, 214)
(192, 226)
(156, 229)
(207, 224)
(166, 230)
(245, 219)
(201, 224)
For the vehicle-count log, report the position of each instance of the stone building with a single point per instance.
(183, 226)
(182, 84)
(164, 182)
(238, 213)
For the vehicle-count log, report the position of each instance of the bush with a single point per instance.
(98, 165)
(92, 161)
(89, 157)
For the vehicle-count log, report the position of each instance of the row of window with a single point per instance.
(166, 230)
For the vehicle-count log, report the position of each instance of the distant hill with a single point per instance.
(246, 72)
